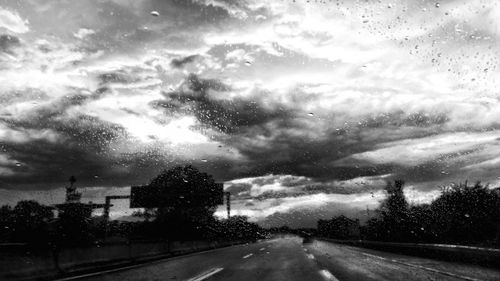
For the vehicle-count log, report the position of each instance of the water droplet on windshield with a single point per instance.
(437, 5)
(310, 114)
(155, 13)
(204, 160)
(467, 215)
(248, 63)
(18, 164)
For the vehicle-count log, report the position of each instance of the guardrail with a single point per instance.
(456, 253)
(21, 262)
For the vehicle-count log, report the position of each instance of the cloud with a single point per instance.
(11, 21)
(178, 63)
(22, 136)
(288, 102)
(83, 32)
(283, 186)
(277, 212)
(208, 100)
(8, 43)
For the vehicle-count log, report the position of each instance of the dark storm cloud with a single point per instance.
(114, 77)
(180, 62)
(285, 151)
(82, 147)
(8, 43)
(205, 98)
(289, 154)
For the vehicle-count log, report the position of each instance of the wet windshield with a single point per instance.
(249, 140)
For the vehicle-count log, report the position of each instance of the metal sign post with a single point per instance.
(228, 203)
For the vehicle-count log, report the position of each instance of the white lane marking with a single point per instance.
(424, 268)
(310, 256)
(327, 275)
(206, 274)
(247, 256)
(262, 249)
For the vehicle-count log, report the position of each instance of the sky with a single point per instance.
(304, 109)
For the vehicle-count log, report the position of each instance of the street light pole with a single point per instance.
(228, 203)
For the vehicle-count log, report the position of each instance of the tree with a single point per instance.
(73, 225)
(467, 214)
(239, 228)
(393, 222)
(395, 205)
(30, 222)
(6, 223)
(189, 198)
(421, 223)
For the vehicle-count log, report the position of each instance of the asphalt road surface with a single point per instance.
(286, 258)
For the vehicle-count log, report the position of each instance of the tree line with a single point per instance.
(462, 214)
(186, 217)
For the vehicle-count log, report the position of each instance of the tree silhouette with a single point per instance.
(394, 212)
(466, 214)
(30, 222)
(6, 223)
(73, 224)
(393, 221)
(188, 198)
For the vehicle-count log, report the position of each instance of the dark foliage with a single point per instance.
(28, 222)
(190, 199)
(339, 227)
(73, 225)
(462, 214)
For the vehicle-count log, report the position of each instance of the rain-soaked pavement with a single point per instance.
(287, 258)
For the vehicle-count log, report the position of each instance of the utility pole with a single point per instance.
(228, 203)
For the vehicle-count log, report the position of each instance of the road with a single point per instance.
(286, 258)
